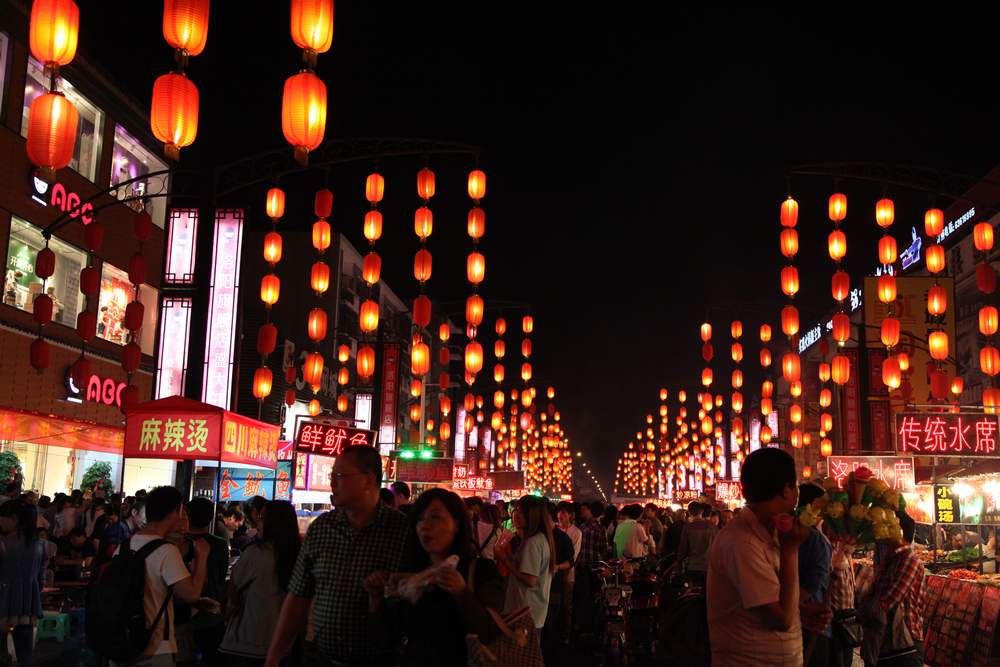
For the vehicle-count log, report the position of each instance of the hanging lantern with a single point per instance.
(272, 248)
(937, 344)
(789, 212)
(422, 312)
(473, 357)
(885, 213)
(790, 320)
(52, 124)
(837, 245)
(837, 207)
(841, 328)
(825, 398)
(935, 258)
(706, 377)
(303, 113)
(887, 288)
(498, 373)
(988, 318)
(957, 386)
(765, 357)
(989, 360)
(937, 300)
(840, 285)
(887, 253)
(275, 203)
(270, 289)
(840, 369)
(890, 332)
(319, 277)
(892, 376)
(262, 380)
(321, 235)
(933, 222)
(982, 235)
(525, 372)
(314, 407)
(317, 324)
(54, 31)
(185, 25)
(312, 370)
(477, 184)
(474, 310)
(789, 280)
(904, 361)
(789, 241)
(173, 116)
(312, 25)
(371, 268)
(986, 278)
(475, 268)
(366, 361)
(373, 225)
(420, 358)
(368, 317)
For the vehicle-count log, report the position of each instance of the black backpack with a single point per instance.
(116, 620)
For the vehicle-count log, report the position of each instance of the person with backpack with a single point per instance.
(21, 557)
(128, 617)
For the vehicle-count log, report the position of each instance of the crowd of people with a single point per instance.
(381, 581)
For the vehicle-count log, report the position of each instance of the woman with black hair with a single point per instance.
(444, 591)
(258, 585)
(21, 556)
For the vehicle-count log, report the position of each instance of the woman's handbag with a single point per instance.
(517, 644)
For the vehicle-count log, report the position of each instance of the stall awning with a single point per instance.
(23, 426)
(179, 428)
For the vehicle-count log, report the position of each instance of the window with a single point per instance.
(116, 293)
(4, 42)
(132, 160)
(88, 131)
(21, 285)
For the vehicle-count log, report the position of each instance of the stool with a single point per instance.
(54, 625)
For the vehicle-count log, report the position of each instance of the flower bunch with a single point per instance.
(862, 512)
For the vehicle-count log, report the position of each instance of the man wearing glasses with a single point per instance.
(342, 547)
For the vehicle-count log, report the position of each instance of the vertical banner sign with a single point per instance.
(946, 507)
(852, 406)
(223, 298)
(389, 396)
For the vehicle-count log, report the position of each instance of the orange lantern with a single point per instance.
(887, 252)
(937, 300)
(475, 268)
(836, 244)
(312, 24)
(423, 222)
(474, 310)
(840, 369)
(937, 344)
(422, 265)
(737, 378)
(303, 113)
(840, 285)
(706, 377)
(789, 212)
(477, 184)
(321, 235)
(791, 366)
(314, 407)
(366, 361)
(790, 320)
(420, 358)
(425, 183)
(270, 289)
(789, 280)
(371, 268)
(988, 319)
(473, 357)
(312, 370)
(837, 207)
(933, 222)
(887, 288)
(935, 258)
(275, 203)
(527, 324)
(319, 277)
(841, 328)
(892, 376)
(789, 242)
(272, 248)
(173, 116)
(185, 25)
(825, 398)
(982, 235)
(890, 332)
(885, 212)
(765, 357)
(262, 380)
(989, 360)
(373, 225)
(706, 332)
(368, 317)
(317, 324)
(54, 31)
(52, 124)
(765, 333)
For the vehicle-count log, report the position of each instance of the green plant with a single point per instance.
(10, 469)
(98, 478)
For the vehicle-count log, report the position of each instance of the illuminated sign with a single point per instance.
(463, 481)
(99, 390)
(729, 491)
(895, 471)
(947, 434)
(946, 504)
(61, 198)
(953, 226)
(224, 296)
(330, 439)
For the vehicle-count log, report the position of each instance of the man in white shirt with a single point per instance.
(165, 571)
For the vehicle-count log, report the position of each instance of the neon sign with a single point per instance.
(947, 434)
(61, 198)
(895, 471)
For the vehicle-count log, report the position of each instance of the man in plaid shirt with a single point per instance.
(899, 583)
(342, 547)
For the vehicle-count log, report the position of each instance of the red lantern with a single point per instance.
(986, 278)
(185, 25)
(52, 124)
(933, 222)
(42, 309)
(173, 116)
(982, 235)
(137, 269)
(262, 381)
(86, 325)
(885, 213)
(40, 354)
(267, 339)
(422, 311)
(54, 31)
(303, 113)
(789, 212)
(142, 226)
(134, 313)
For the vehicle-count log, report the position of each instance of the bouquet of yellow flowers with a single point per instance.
(862, 512)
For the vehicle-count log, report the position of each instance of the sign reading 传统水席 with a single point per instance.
(947, 434)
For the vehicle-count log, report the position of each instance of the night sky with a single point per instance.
(635, 162)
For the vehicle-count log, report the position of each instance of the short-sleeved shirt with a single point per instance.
(743, 565)
(334, 561)
(533, 557)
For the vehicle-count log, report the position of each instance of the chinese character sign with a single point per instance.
(330, 439)
(962, 434)
(946, 505)
(895, 471)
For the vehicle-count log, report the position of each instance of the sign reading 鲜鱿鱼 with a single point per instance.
(947, 434)
(895, 471)
(328, 439)
(728, 491)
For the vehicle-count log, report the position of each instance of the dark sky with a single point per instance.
(635, 161)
